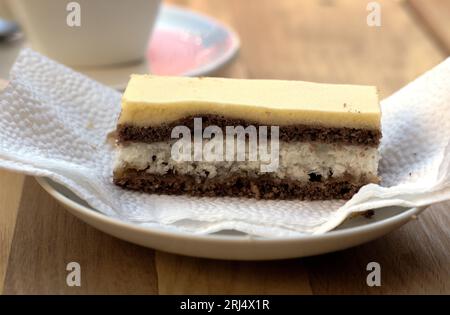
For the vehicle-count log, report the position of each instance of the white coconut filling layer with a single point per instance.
(297, 161)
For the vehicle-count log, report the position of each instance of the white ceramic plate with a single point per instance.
(232, 244)
(184, 43)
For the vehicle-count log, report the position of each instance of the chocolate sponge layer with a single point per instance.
(238, 185)
(368, 137)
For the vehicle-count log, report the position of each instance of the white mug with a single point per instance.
(85, 32)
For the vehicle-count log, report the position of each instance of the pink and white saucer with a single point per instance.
(183, 43)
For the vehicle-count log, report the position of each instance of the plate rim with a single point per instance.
(45, 183)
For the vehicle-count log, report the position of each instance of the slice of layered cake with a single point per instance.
(268, 139)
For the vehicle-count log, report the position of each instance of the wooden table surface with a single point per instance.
(317, 40)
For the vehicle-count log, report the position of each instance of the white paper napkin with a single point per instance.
(54, 123)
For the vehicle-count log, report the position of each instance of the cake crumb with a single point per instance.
(254, 189)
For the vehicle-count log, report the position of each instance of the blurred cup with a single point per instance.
(85, 32)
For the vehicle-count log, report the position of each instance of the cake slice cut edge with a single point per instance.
(320, 156)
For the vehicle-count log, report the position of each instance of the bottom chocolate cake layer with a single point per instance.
(262, 187)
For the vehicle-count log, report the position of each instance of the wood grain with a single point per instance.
(414, 260)
(327, 41)
(186, 275)
(316, 40)
(434, 15)
(10, 194)
(47, 238)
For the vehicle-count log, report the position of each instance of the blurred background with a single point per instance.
(384, 43)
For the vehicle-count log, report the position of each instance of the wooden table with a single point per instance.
(326, 40)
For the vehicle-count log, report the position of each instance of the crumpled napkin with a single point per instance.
(54, 122)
